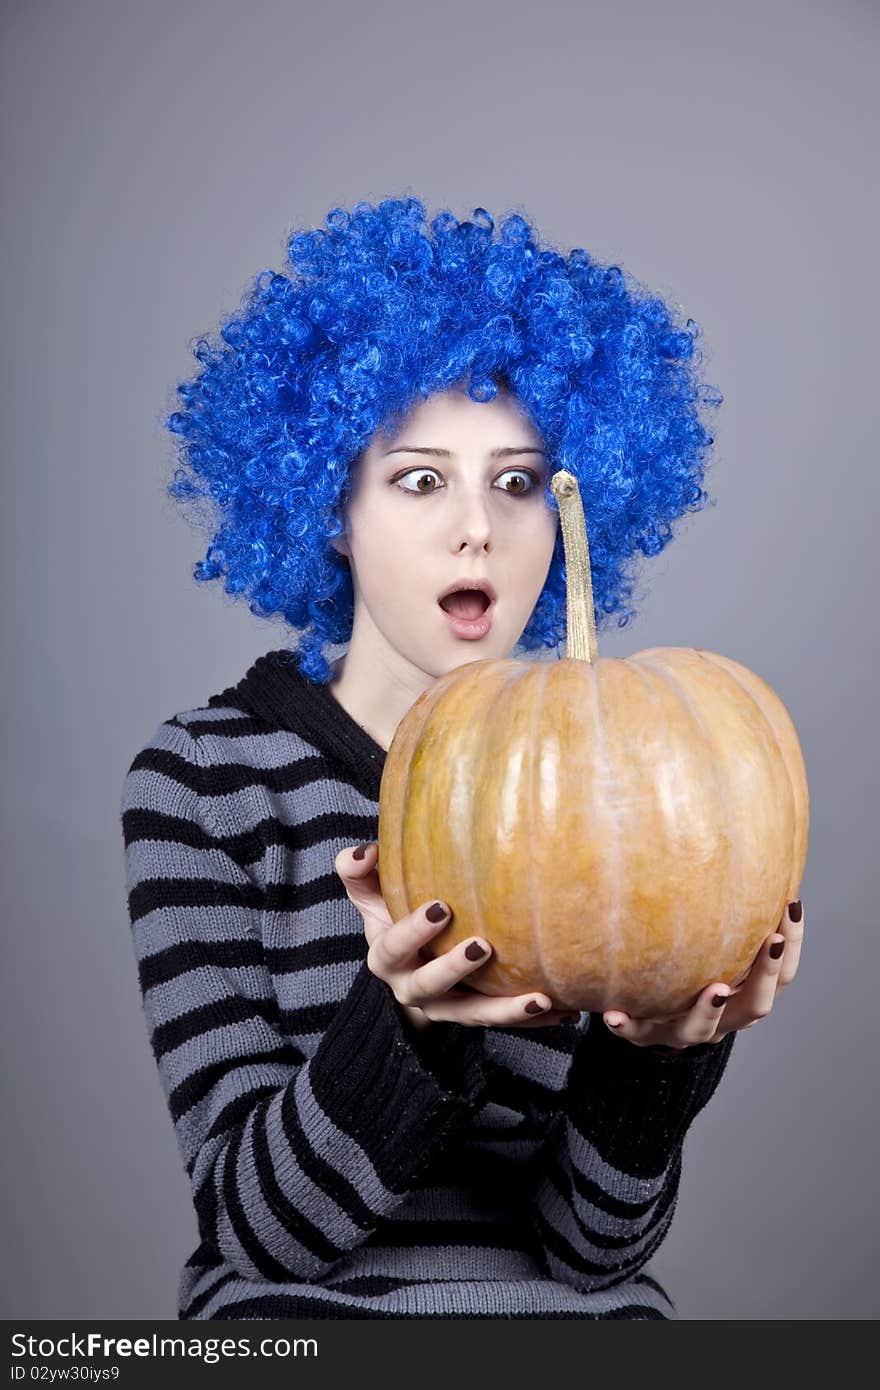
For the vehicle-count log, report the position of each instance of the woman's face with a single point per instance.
(417, 521)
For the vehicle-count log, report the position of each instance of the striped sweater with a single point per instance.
(341, 1165)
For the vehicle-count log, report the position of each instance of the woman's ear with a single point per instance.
(340, 542)
(340, 514)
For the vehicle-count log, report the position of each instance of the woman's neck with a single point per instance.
(373, 697)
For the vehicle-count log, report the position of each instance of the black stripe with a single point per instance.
(519, 1092)
(194, 1088)
(298, 897)
(172, 765)
(243, 725)
(220, 1013)
(240, 953)
(556, 1244)
(369, 1285)
(156, 894)
(592, 1192)
(642, 1278)
(205, 1257)
(559, 1178)
(195, 1306)
(205, 1202)
(319, 952)
(449, 1234)
(249, 847)
(234, 1113)
(225, 778)
(142, 823)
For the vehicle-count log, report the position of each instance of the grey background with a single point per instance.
(154, 158)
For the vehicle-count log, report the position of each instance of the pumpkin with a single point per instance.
(622, 831)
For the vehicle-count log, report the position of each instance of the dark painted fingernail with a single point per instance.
(436, 912)
(795, 911)
(474, 951)
(720, 999)
(533, 1007)
(776, 949)
(360, 851)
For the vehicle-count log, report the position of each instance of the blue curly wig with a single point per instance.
(375, 314)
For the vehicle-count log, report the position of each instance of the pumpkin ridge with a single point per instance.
(651, 678)
(759, 697)
(452, 730)
(496, 713)
(732, 858)
(611, 973)
(771, 743)
(534, 776)
(479, 917)
(413, 733)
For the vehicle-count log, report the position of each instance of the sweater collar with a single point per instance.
(276, 690)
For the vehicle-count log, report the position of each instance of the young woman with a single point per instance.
(365, 1136)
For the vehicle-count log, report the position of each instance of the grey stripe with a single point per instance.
(174, 998)
(458, 1297)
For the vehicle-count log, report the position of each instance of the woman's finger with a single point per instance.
(440, 973)
(755, 999)
(494, 1011)
(763, 990)
(361, 880)
(439, 988)
(696, 1026)
(792, 928)
(395, 948)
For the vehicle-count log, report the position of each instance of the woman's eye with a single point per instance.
(523, 477)
(525, 481)
(414, 472)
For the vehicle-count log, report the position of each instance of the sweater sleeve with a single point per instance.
(292, 1161)
(608, 1173)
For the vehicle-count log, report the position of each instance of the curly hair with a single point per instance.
(375, 313)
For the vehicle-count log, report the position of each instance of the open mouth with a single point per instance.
(466, 604)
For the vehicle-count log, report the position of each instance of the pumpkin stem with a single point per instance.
(582, 643)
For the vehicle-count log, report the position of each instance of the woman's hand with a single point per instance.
(431, 992)
(720, 1010)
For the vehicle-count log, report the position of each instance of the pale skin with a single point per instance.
(416, 521)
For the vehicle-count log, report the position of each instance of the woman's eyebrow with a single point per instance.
(507, 452)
